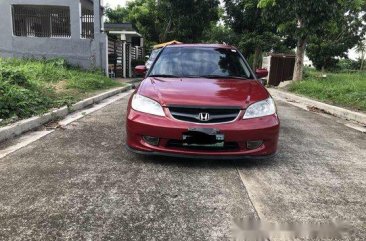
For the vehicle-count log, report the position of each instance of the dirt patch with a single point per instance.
(317, 110)
(60, 86)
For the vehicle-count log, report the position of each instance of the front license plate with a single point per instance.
(218, 137)
(218, 145)
(203, 137)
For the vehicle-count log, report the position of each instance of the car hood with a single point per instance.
(203, 92)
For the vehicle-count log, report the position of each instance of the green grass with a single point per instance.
(31, 87)
(342, 89)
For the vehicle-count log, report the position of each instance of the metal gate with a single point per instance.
(120, 56)
(115, 57)
(137, 53)
(281, 68)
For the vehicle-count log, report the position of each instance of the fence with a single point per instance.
(115, 57)
(120, 56)
(137, 53)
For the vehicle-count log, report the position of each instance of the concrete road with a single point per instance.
(80, 183)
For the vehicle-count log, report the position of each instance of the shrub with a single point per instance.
(21, 102)
(14, 76)
(347, 64)
(29, 87)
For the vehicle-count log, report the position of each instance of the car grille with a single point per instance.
(215, 114)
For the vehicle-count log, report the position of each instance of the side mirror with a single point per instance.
(261, 73)
(140, 70)
(147, 57)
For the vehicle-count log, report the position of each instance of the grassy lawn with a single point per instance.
(31, 87)
(342, 89)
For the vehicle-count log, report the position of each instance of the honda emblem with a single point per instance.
(204, 116)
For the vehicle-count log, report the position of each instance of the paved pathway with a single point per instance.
(80, 183)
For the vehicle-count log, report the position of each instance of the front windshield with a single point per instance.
(200, 62)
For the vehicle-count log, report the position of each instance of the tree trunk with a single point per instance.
(256, 58)
(299, 63)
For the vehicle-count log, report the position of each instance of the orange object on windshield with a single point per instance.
(162, 45)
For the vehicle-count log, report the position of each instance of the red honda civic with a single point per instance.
(202, 101)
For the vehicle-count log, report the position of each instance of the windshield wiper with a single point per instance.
(164, 75)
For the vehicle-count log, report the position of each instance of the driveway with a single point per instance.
(80, 183)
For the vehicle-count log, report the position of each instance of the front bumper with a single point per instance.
(204, 157)
(169, 129)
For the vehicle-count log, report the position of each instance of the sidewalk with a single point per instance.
(22, 126)
(310, 104)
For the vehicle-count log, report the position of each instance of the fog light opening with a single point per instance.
(251, 145)
(154, 141)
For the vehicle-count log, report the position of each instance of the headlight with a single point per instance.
(146, 105)
(260, 109)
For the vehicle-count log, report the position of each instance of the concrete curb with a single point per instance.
(22, 126)
(330, 109)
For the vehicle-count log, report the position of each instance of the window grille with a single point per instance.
(41, 21)
(87, 23)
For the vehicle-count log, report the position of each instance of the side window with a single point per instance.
(87, 23)
(41, 21)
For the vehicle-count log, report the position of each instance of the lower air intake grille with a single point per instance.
(227, 146)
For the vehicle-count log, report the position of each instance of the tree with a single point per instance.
(338, 36)
(302, 19)
(361, 49)
(186, 20)
(220, 33)
(147, 19)
(118, 15)
(361, 45)
(256, 34)
(164, 20)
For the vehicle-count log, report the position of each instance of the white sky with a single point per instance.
(115, 3)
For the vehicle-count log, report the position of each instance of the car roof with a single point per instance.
(222, 46)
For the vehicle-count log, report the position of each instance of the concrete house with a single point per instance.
(69, 29)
